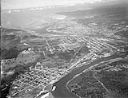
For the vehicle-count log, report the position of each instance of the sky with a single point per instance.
(16, 4)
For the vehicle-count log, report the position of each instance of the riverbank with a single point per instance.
(61, 89)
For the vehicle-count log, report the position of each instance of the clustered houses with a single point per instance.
(71, 42)
(41, 76)
(38, 76)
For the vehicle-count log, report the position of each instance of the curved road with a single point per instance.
(62, 92)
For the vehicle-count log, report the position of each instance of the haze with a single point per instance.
(16, 4)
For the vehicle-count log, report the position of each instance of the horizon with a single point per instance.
(22, 4)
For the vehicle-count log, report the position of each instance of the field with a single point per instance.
(35, 56)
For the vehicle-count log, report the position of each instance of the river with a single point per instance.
(62, 92)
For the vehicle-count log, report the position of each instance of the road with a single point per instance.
(62, 92)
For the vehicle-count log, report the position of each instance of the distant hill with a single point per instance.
(99, 10)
